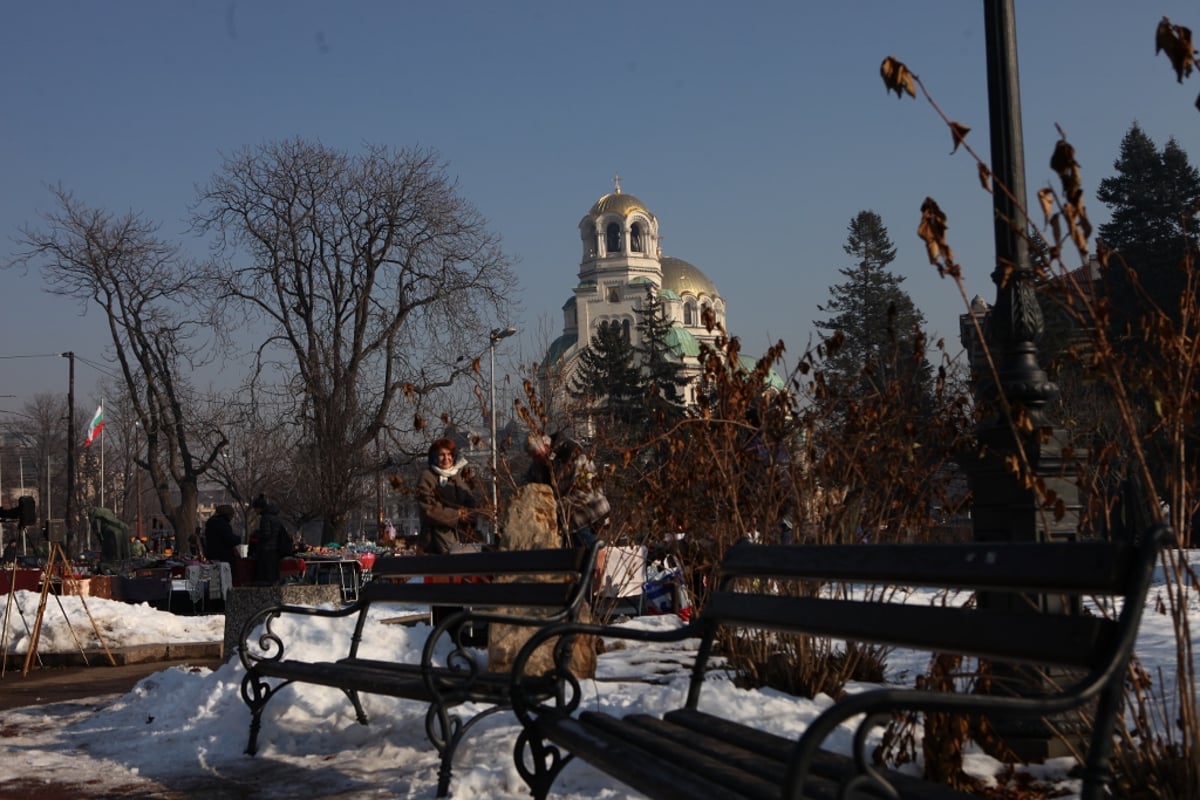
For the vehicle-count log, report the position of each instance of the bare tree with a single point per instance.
(142, 285)
(258, 459)
(374, 278)
(40, 428)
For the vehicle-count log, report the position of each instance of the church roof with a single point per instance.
(559, 347)
(682, 343)
(773, 379)
(682, 277)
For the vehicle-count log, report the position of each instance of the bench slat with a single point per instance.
(1070, 641)
(729, 751)
(491, 687)
(341, 676)
(1076, 567)
(535, 595)
(661, 778)
(484, 563)
(831, 766)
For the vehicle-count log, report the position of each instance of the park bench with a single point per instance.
(691, 753)
(522, 588)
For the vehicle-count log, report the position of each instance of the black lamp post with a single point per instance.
(1006, 507)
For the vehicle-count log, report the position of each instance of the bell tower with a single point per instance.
(620, 258)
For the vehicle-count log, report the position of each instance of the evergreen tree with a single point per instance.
(663, 380)
(873, 334)
(607, 379)
(878, 384)
(1154, 199)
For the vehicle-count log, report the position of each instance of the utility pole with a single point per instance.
(69, 507)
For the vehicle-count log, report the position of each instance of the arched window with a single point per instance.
(635, 238)
(689, 314)
(625, 329)
(612, 238)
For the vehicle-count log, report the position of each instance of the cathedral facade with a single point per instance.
(621, 259)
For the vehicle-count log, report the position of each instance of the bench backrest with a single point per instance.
(752, 594)
(552, 578)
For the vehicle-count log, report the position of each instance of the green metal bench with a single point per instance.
(524, 588)
(688, 753)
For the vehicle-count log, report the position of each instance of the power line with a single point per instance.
(97, 367)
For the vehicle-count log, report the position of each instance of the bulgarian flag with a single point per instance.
(97, 425)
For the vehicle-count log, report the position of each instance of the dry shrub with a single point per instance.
(767, 444)
(1130, 400)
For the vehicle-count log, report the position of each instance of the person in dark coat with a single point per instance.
(270, 544)
(561, 463)
(219, 539)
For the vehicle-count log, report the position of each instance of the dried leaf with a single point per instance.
(1046, 199)
(959, 133)
(1176, 42)
(985, 177)
(1063, 157)
(1063, 162)
(897, 78)
(932, 231)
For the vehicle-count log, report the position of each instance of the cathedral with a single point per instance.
(621, 258)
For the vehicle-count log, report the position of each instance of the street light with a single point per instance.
(497, 335)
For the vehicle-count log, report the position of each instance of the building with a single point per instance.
(621, 258)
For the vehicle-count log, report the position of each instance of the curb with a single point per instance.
(132, 654)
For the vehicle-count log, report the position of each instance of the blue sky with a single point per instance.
(754, 131)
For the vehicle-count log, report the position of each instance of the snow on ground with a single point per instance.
(185, 730)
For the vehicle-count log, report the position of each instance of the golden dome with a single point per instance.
(681, 277)
(617, 203)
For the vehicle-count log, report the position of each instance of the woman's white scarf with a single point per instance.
(446, 474)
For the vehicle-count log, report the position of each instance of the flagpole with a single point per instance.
(102, 438)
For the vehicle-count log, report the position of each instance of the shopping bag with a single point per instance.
(665, 591)
(658, 594)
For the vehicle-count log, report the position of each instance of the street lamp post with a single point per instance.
(497, 335)
(1007, 506)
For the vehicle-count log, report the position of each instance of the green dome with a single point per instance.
(559, 348)
(773, 380)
